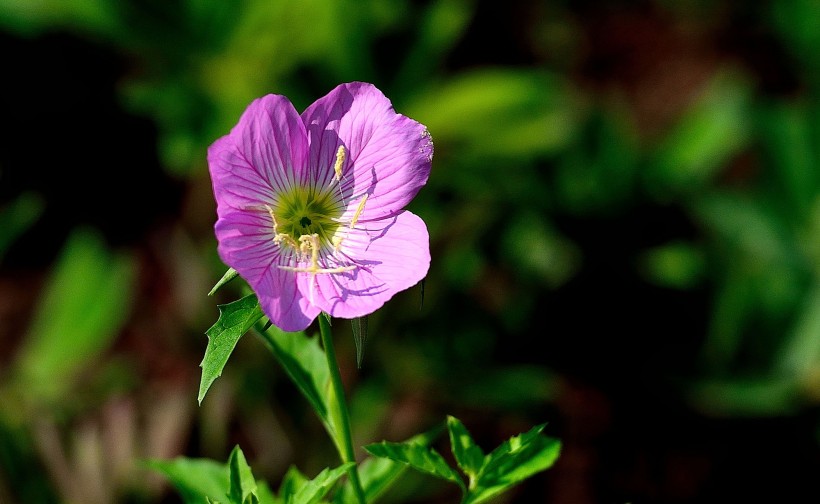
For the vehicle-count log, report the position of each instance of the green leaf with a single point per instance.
(512, 445)
(417, 456)
(359, 337)
(377, 474)
(243, 485)
(234, 320)
(706, 136)
(227, 277)
(265, 494)
(316, 489)
(504, 469)
(197, 480)
(532, 113)
(468, 455)
(85, 302)
(304, 361)
(291, 483)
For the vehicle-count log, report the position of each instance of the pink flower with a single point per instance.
(310, 207)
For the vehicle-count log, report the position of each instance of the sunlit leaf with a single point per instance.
(378, 474)
(317, 488)
(227, 277)
(419, 457)
(197, 480)
(468, 455)
(234, 320)
(242, 482)
(517, 459)
(265, 494)
(291, 483)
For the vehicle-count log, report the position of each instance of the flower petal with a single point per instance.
(265, 153)
(388, 155)
(391, 254)
(246, 244)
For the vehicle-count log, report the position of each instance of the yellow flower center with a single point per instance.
(307, 220)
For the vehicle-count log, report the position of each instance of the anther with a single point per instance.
(359, 211)
(340, 160)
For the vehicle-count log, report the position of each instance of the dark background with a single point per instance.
(624, 219)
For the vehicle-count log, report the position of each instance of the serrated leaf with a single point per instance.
(227, 277)
(234, 320)
(292, 481)
(198, 481)
(316, 489)
(509, 468)
(419, 457)
(468, 455)
(378, 474)
(243, 484)
(359, 337)
(512, 445)
(304, 361)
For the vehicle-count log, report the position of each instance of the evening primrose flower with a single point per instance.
(311, 208)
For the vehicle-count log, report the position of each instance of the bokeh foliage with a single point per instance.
(624, 199)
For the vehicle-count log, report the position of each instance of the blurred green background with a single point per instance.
(624, 213)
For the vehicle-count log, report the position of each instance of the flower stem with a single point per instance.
(345, 444)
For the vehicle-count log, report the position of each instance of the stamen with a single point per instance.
(311, 243)
(273, 218)
(358, 213)
(278, 237)
(340, 160)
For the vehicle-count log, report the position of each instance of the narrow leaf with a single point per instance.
(512, 467)
(243, 485)
(197, 480)
(377, 474)
(468, 455)
(317, 488)
(421, 458)
(512, 445)
(234, 320)
(291, 483)
(304, 361)
(227, 277)
(360, 337)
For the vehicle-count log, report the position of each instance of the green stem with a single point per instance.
(346, 442)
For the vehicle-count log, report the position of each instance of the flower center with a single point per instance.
(303, 212)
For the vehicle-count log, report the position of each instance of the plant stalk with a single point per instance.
(346, 446)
